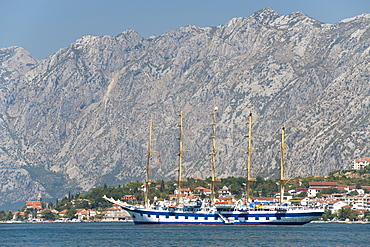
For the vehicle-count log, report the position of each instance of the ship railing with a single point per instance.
(293, 208)
(277, 208)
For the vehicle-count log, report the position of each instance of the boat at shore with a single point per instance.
(212, 211)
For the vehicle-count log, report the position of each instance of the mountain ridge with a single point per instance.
(79, 117)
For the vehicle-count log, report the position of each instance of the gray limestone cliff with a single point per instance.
(79, 118)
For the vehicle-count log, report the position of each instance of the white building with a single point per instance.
(360, 163)
(334, 206)
(116, 213)
(224, 192)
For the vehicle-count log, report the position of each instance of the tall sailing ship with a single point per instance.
(211, 211)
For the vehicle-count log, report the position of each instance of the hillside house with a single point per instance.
(202, 191)
(224, 192)
(315, 187)
(361, 163)
(335, 205)
(199, 190)
(85, 214)
(17, 214)
(184, 192)
(63, 213)
(34, 206)
(129, 199)
(115, 213)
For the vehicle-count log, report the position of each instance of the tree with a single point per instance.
(26, 213)
(328, 191)
(328, 215)
(367, 215)
(71, 213)
(347, 213)
(303, 194)
(9, 215)
(2, 215)
(48, 215)
(162, 186)
(353, 193)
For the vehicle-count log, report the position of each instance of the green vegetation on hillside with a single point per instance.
(162, 189)
(348, 177)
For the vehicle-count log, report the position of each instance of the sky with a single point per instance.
(42, 27)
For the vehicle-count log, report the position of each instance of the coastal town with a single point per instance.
(343, 203)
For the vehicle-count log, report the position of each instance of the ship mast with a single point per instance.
(213, 154)
(147, 181)
(180, 179)
(282, 179)
(249, 152)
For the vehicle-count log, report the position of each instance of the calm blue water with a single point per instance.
(128, 234)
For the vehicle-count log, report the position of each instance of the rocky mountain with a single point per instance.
(79, 118)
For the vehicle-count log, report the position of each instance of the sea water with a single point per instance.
(128, 234)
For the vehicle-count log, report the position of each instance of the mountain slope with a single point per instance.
(79, 117)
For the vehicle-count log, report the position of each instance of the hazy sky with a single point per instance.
(44, 26)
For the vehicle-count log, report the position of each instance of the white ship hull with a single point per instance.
(253, 217)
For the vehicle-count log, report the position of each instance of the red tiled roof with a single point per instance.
(185, 190)
(365, 159)
(323, 183)
(84, 212)
(342, 186)
(319, 188)
(200, 188)
(301, 189)
(114, 208)
(361, 210)
(29, 203)
(193, 197)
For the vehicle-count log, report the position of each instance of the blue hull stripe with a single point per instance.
(219, 223)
